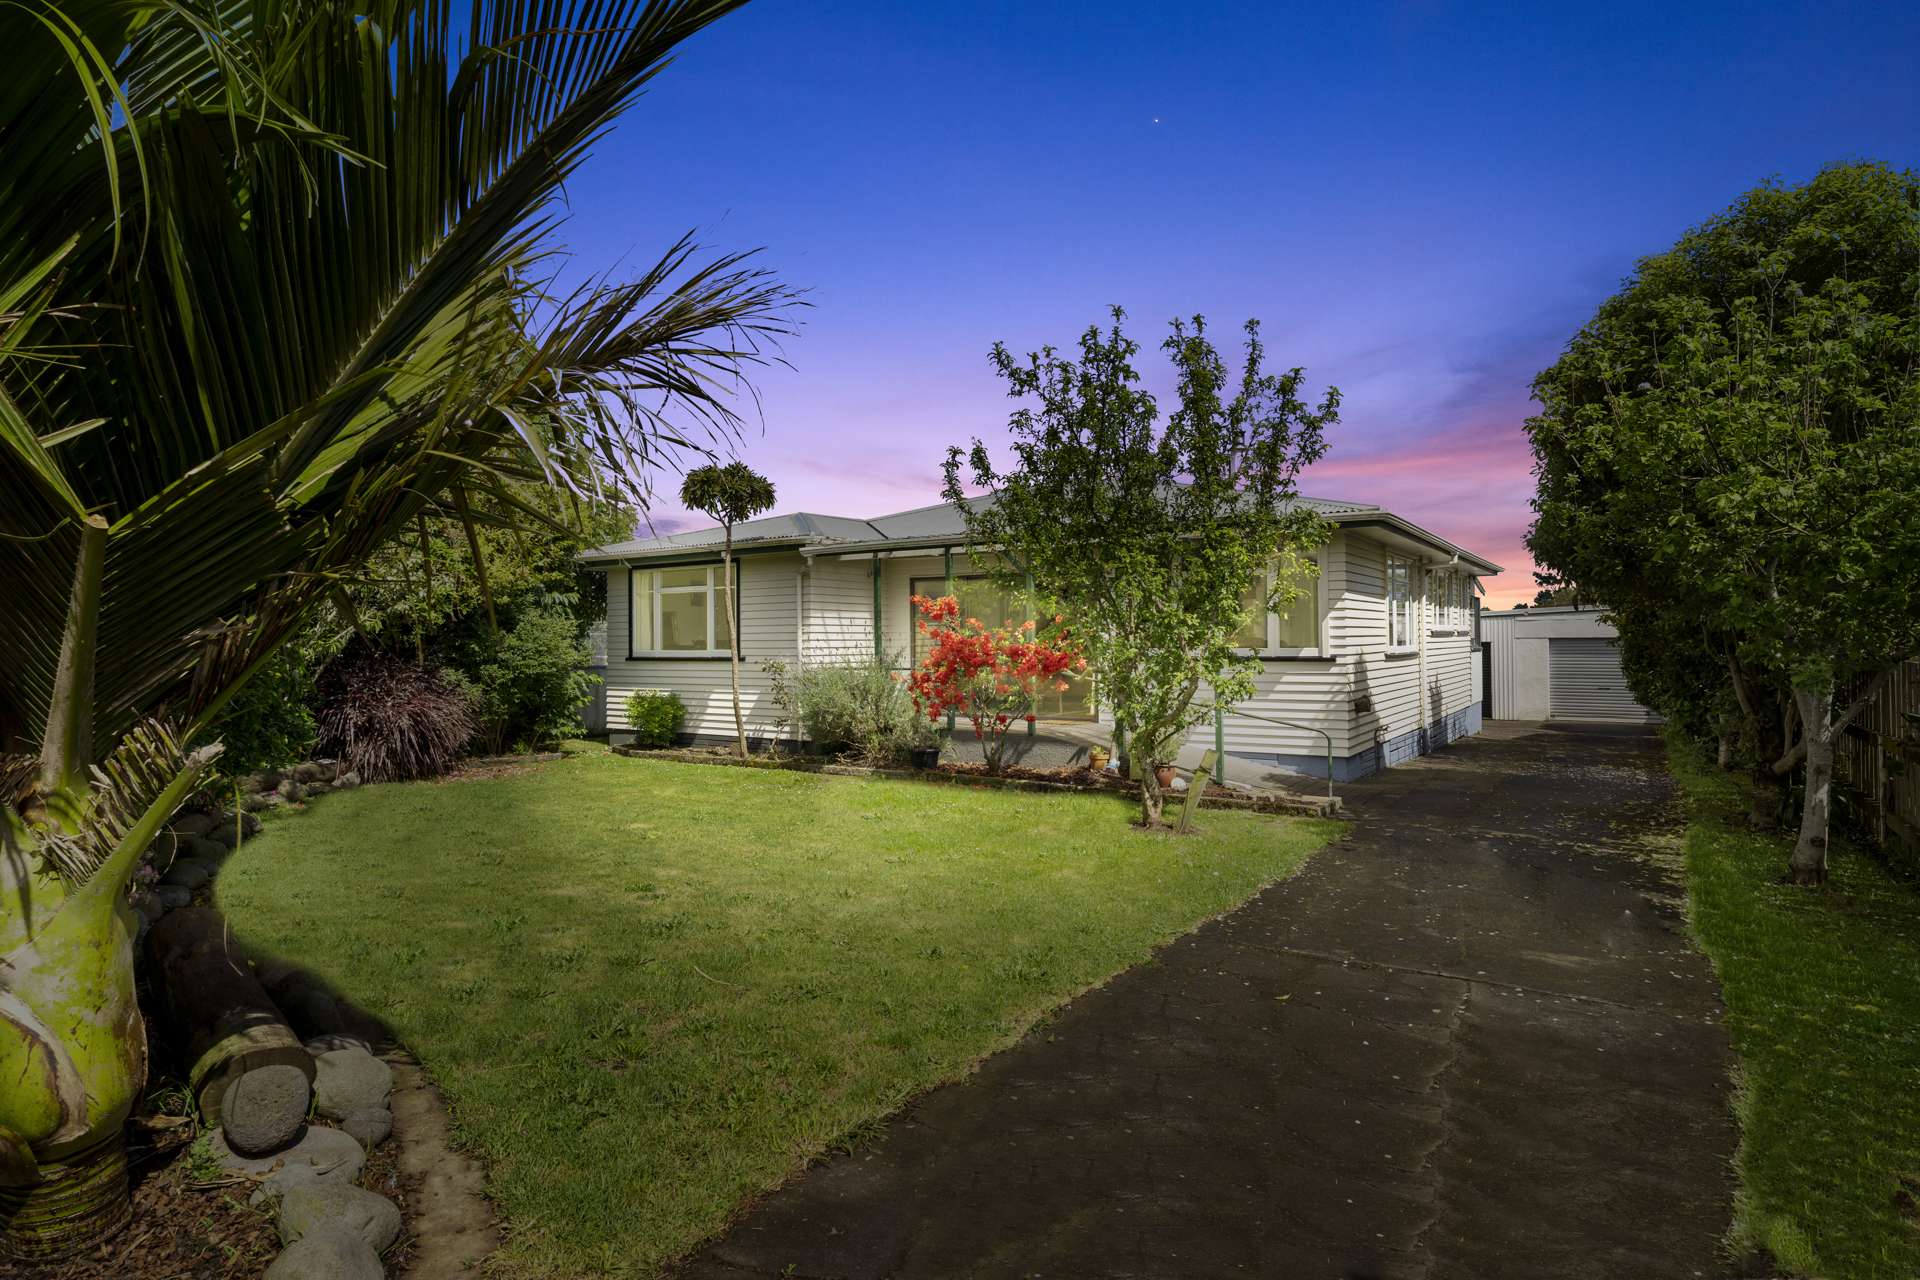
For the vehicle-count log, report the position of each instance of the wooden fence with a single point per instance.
(1877, 769)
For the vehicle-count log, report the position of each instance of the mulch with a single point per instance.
(185, 1228)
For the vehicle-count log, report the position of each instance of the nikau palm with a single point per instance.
(267, 298)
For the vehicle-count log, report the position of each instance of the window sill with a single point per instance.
(679, 655)
(1293, 655)
(1402, 650)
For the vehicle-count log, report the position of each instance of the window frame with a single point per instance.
(914, 642)
(1276, 651)
(712, 590)
(1411, 604)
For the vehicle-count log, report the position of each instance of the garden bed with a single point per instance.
(1064, 778)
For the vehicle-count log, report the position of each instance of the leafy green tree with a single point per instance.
(1728, 455)
(1147, 534)
(268, 296)
(730, 493)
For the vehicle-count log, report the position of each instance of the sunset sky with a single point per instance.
(1420, 201)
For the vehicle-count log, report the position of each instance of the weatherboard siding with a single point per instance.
(769, 619)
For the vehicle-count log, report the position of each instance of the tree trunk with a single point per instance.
(225, 1021)
(733, 644)
(1152, 799)
(1808, 866)
(1724, 756)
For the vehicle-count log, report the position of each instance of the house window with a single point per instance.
(1400, 603)
(995, 606)
(1295, 632)
(680, 612)
(1449, 600)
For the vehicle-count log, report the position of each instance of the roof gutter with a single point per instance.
(1414, 533)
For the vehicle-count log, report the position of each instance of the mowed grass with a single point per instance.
(653, 990)
(1822, 990)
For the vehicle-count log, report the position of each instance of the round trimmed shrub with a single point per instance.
(655, 716)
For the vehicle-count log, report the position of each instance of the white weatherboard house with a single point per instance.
(1376, 664)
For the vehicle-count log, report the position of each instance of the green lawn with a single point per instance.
(1823, 1002)
(652, 990)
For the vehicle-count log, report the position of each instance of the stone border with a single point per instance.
(1291, 805)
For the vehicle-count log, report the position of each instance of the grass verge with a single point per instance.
(1822, 989)
(651, 991)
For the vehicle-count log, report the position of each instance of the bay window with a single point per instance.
(679, 612)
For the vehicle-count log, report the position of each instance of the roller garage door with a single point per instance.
(1585, 682)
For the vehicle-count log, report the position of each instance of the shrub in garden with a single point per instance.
(859, 708)
(990, 675)
(391, 719)
(269, 724)
(656, 717)
(528, 684)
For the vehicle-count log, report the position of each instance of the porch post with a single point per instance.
(946, 558)
(1032, 728)
(1219, 744)
(879, 651)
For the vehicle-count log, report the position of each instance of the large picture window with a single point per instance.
(680, 612)
(1293, 633)
(1400, 603)
(995, 606)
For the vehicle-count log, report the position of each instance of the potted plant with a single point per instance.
(1164, 774)
(923, 749)
(1098, 758)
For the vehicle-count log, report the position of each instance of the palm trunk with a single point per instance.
(73, 1049)
(733, 644)
(1808, 866)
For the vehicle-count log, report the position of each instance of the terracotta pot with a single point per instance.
(1098, 759)
(1164, 773)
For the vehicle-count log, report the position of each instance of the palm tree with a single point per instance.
(269, 296)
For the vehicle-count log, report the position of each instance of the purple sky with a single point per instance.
(1421, 202)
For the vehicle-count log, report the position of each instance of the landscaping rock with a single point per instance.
(318, 789)
(334, 1154)
(249, 825)
(291, 791)
(174, 896)
(333, 1253)
(337, 1040)
(315, 771)
(192, 824)
(305, 1211)
(265, 780)
(264, 1109)
(321, 1156)
(261, 800)
(370, 1127)
(188, 873)
(350, 1080)
(224, 835)
(149, 906)
(347, 780)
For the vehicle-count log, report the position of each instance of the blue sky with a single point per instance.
(1420, 201)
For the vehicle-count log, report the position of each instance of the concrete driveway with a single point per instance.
(1469, 1040)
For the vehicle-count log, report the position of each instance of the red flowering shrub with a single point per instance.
(989, 675)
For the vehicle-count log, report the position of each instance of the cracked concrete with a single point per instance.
(1469, 1040)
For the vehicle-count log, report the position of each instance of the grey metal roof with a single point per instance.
(930, 526)
(799, 529)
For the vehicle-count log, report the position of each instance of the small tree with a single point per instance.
(730, 494)
(990, 675)
(1149, 535)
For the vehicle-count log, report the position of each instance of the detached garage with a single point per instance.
(1554, 664)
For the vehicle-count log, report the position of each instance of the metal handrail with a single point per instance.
(1220, 754)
